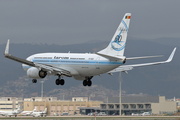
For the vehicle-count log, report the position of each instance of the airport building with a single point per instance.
(134, 104)
(58, 106)
(8, 103)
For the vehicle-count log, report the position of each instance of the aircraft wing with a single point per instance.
(45, 67)
(125, 68)
(135, 58)
(122, 58)
(52, 69)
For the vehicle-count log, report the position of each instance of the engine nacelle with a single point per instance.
(34, 73)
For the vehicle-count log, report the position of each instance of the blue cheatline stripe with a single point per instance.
(125, 25)
(70, 63)
(83, 62)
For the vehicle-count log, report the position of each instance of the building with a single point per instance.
(40, 99)
(58, 106)
(135, 104)
(85, 99)
(8, 103)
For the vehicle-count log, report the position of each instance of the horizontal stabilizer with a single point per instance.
(112, 57)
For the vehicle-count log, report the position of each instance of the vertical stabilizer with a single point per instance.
(17, 110)
(35, 109)
(117, 45)
(45, 111)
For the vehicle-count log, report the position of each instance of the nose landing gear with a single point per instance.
(34, 81)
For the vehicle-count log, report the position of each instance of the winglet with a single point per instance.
(171, 56)
(6, 52)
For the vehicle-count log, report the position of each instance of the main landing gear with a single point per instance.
(34, 81)
(59, 81)
(87, 82)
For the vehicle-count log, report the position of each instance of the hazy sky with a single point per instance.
(75, 21)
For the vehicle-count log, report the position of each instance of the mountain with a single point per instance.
(152, 80)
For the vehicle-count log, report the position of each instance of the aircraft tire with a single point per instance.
(89, 83)
(34, 81)
(85, 82)
(57, 81)
(15, 115)
(62, 81)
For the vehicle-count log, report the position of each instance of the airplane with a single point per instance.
(39, 114)
(10, 113)
(27, 113)
(84, 66)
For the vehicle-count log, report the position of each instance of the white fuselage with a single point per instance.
(8, 113)
(79, 65)
(38, 114)
(26, 113)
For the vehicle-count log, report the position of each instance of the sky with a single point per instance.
(66, 22)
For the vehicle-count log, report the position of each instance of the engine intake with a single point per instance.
(42, 74)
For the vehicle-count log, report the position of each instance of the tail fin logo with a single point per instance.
(118, 44)
(128, 17)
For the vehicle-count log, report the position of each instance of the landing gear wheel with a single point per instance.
(34, 81)
(85, 82)
(62, 81)
(15, 115)
(57, 81)
(89, 83)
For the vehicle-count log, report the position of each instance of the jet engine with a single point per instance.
(34, 73)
